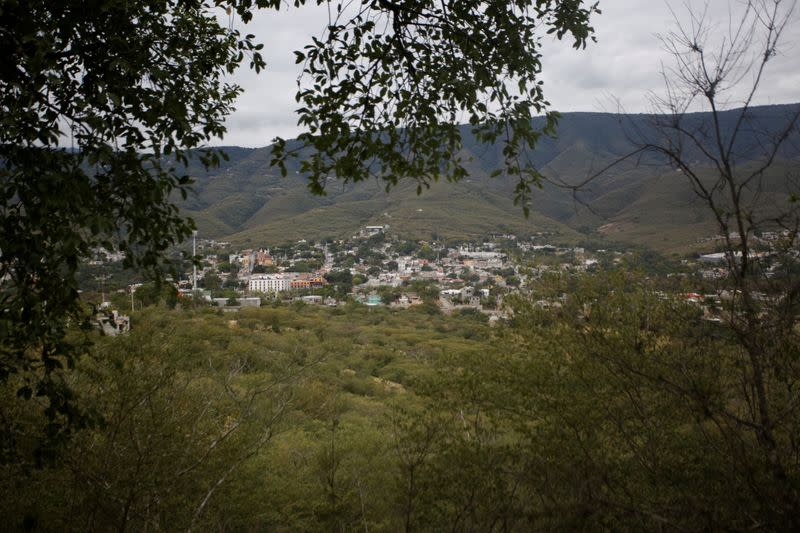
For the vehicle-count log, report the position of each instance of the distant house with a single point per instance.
(407, 300)
(713, 258)
(721, 257)
(307, 283)
(465, 252)
(369, 231)
(113, 324)
(693, 297)
(300, 284)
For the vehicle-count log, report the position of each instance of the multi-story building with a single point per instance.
(307, 283)
(267, 283)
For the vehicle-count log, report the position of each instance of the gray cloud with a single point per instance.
(624, 65)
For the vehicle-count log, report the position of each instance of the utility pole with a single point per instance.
(194, 264)
(102, 279)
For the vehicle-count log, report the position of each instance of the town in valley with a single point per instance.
(376, 267)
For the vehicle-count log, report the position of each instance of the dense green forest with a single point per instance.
(614, 407)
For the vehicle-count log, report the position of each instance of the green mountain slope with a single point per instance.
(643, 202)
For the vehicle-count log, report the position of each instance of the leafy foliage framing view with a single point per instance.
(387, 88)
(600, 401)
(102, 103)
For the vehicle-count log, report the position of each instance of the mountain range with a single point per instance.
(643, 201)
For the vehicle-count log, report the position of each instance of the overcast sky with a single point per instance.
(624, 64)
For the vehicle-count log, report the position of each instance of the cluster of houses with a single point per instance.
(377, 268)
(764, 249)
(101, 256)
(463, 275)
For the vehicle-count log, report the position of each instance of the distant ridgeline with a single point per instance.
(641, 201)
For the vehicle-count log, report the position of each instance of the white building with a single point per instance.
(373, 230)
(113, 324)
(267, 283)
(485, 256)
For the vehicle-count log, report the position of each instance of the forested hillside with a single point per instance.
(641, 201)
(308, 419)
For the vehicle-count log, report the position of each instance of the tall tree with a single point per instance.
(716, 72)
(100, 103)
(736, 163)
